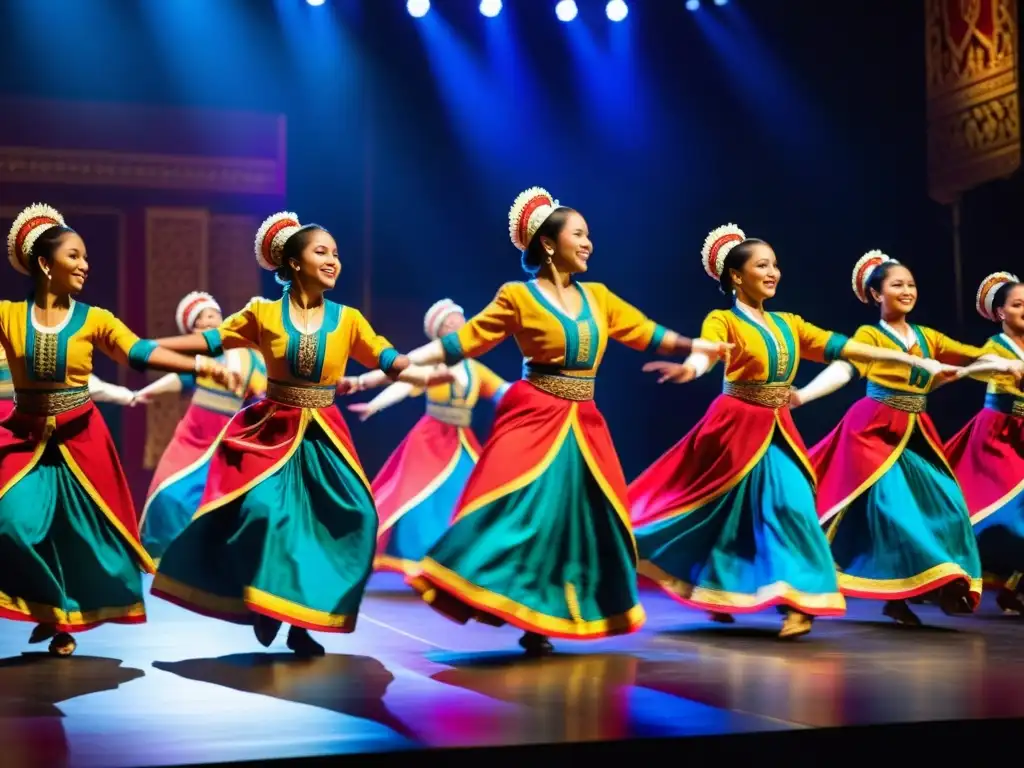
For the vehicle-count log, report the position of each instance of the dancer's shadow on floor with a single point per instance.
(31, 687)
(349, 685)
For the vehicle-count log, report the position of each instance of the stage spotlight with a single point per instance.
(721, 2)
(490, 8)
(692, 5)
(616, 10)
(417, 8)
(315, 2)
(565, 10)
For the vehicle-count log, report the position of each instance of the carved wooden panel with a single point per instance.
(233, 276)
(176, 263)
(973, 94)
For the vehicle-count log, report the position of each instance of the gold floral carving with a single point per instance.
(176, 258)
(973, 94)
(240, 175)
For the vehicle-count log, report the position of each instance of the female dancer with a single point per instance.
(988, 454)
(286, 528)
(420, 483)
(725, 520)
(541, 537)
(69, 546)
(180, 478)
(896, 519)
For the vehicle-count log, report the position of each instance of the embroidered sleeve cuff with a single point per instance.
(452, 348)
(138, 355)
(834, 347)
(188, 381)
(386, 359)
(656, 338)
(214, 344)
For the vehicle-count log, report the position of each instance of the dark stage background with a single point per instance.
(800, 120)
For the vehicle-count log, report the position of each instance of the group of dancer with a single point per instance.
(261, 514)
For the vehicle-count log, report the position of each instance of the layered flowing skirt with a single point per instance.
(6, 409)
(417, 490)
(987, 456)
(725, 520)
(70, 554)
(541, 537)
(894, 513)
(286, 527)
(179, 481)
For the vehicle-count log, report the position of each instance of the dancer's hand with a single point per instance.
(795, 399)
(224, 376)
(715, 350)
(941, 372)
(349, 385)
(677, 373)
(363, 410)
(424, 376)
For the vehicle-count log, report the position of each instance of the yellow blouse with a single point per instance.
(481, 381)
(1003, 383)
(551, 342)
(769, 355)
(61, 358)
(298, 359)
(928, 343)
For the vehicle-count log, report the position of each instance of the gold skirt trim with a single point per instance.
(299, 396)
(773, 396)
(454, 415)
(50, 402)
(565, 387)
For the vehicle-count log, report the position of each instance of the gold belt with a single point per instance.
(773, 396)
(224, 403)
(298, 396)
(565, 387)
(50, 402)
(450, 414)
(907, 403)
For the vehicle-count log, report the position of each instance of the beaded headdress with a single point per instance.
(26, 229)
(987, 292)
(717, 245)
(530, 209)
(862, 270)
(437, 314)
(271, 237)
(190, 307)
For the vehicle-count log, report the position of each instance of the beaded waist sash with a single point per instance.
(1009, 404)
(565, 387)
(300, 395)
(768, 395)
(450, 414)
(50, 402)
(218, 402)
(908, 402)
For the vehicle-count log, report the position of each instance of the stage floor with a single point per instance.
(183, 689)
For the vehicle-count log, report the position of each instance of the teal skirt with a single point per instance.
(61, 561)
(297, 547)
(908, 534)
(1001, 539)
(757, 545)
(170, 511)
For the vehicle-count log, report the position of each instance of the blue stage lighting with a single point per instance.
(616, 10)
(721, 2)
(566, 10)
(692, 5)
(315, 2)
(417, 8)
(490, 8)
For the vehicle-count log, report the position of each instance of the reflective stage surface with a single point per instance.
(183, 689)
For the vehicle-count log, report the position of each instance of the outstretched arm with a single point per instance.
(830, 380)
(393, 395)
(172, 383)
(103, 392)
(714, 334)
(629, 326)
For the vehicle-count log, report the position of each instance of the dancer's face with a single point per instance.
(759, 276)
(1012, 312)
(318, 264)
(68, 267)
(899, 292)
(208, 318)
(571, 251)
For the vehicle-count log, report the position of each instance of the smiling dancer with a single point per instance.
(987, 455)
(896, 518)
(541, 538)
(286, 528)
(725, 520)
(417, 489)
(180, 477)
(69, 548)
